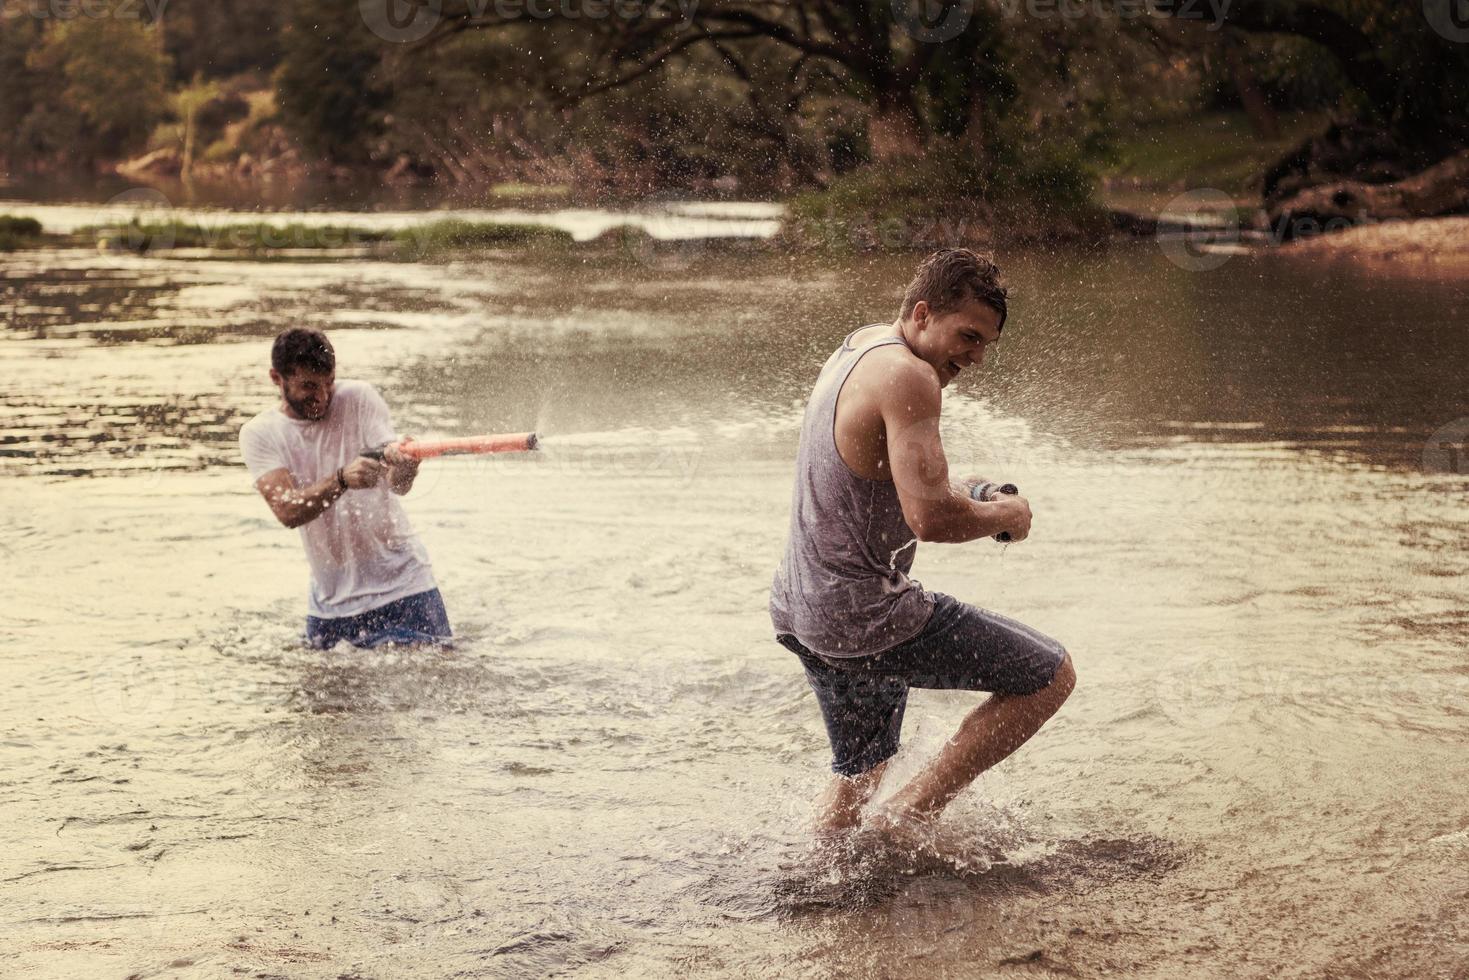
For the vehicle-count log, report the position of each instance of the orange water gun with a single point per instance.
(517, 442)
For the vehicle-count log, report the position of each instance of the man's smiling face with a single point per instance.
(307, 394)
(953, 341)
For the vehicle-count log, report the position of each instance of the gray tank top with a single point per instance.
(843, 588)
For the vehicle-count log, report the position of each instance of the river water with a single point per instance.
(1249, 532)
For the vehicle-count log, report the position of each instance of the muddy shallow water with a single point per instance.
(1245, 533)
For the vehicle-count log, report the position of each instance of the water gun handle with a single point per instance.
(986, 492)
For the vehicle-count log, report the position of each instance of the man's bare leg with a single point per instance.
(839, 807)
(988, 734)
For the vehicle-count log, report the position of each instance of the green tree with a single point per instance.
(330, 87)
(1405, 80)
(222, 38)
(187, 103)
(878, 51)
(112, 75)
(23, 91)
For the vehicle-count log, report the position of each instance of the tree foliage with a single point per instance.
(1402, 76)
(329, 85)
(766, 92)
(911, 84)
(221, 38)
(81, 90)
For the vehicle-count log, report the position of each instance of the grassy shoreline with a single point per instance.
(17, 232)
(943, 199)
(260, 237)
(450, 240)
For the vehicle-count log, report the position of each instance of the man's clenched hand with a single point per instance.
(362, 473)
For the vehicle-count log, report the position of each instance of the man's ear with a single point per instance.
(920, 314)
(276, 377)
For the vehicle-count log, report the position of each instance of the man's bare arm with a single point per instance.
(294, 506)
(936, 508)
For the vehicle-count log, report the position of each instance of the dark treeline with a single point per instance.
(762, 96)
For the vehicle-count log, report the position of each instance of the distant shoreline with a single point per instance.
(1434, 245)
(1437, 244)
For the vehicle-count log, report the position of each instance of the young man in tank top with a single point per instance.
(872, 481)
(371, 582)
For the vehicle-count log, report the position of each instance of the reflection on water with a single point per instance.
(609, 773)
(309, 197)
(672, 220)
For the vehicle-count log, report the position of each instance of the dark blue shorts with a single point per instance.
(417, 618)
(961, 648)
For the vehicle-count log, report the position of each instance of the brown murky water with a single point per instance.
(1238, 534)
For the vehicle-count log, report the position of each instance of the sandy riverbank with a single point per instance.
(1437, 244)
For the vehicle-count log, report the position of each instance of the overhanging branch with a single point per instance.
(1349, 45)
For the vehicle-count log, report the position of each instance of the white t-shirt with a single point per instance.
(363, 552)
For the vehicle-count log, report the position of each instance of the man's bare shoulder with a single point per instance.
(893, 371)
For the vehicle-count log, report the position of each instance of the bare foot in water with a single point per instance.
(902, 826)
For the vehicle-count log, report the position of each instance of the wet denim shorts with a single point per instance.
(419, 618)
(961, 648)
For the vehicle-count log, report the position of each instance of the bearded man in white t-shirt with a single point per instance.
(371, 582)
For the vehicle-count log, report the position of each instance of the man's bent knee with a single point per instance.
(1062, 683)
(1054, 694)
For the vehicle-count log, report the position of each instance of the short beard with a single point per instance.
(299, 407)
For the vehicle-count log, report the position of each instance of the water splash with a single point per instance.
(893, 558)
(635, 437)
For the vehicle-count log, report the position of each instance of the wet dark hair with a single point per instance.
(951, 277)
(302, 347)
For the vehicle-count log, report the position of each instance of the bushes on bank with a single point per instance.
(18, 232)
(416, 242)
(454, 235)
(136, 236)
(951, 197)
